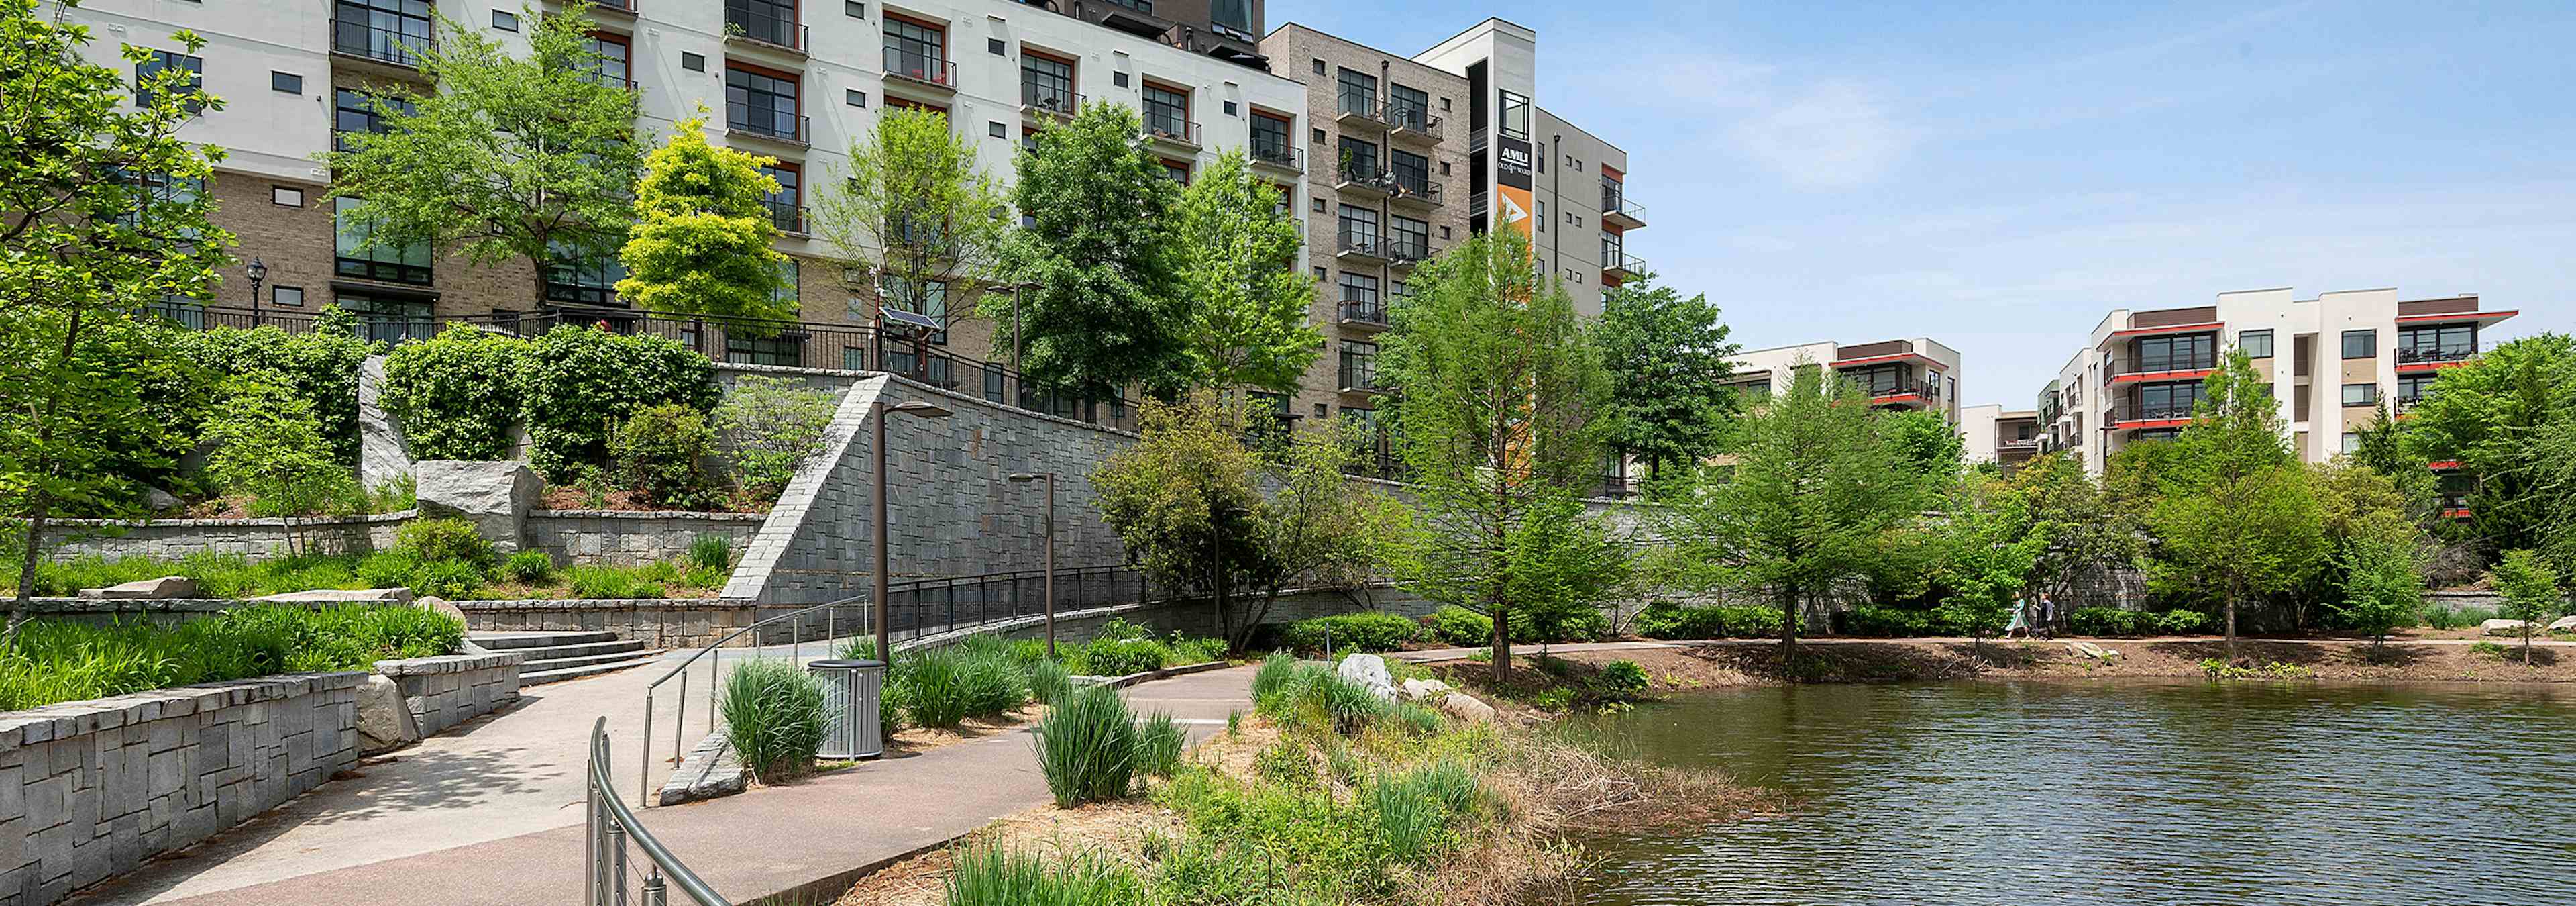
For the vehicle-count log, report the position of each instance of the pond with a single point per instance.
(2131, 792)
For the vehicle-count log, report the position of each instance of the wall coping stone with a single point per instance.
(646, 514)
(500, 604)
(66, 719)
(450, 663)
(301, 523)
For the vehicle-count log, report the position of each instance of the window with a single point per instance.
(1046, 83)
(1408, 107)
(386, 318)
(355, 257)
(1614, 248)
(1412, 237)
(1359, 160)
(997, 130)
(358, 112)
(287, 296)
(2188, 352)
(1878, 380)
(1232, 18)
(289, 196)
(1515, 121)
(2360, 394)
(995, 47)
(2257, 344)
(917, 51)
(390, 30)
(1359, 227)
(1270, 140)
(787, 205)
(786, 348)
(1118, 78)
(1355, 92)
(616, 59)
(1167, 113)
(2159, 402)
(2412, 388)
(285, 81)
(505, 21)
(855, 10)
(1178, 171)
(1412, 171)
(2152, 434)
(762, 103)
(1542, 219)
(1359, 365)
(1319, 67)
(766, 21)
(162, 60)
(693, 62)
(2360, 344)
(927, 297)
(1360, 302)
(854, 97)
(2447, 343)
(788, 274)
(583, 279)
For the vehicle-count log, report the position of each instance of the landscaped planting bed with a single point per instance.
(53, 661)
(440, 557)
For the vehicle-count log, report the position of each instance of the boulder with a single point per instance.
(2563, 624)
(1370, 672)
(160, 589)
(385, 722)
(339, 596)
(440, 605)
(160, 501)
(1418, 689)
(2091, 650)
(2502, 627)
(384, 456)
(494, 496)
(1465, 707)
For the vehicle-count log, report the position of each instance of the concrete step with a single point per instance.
(512, 641)
(552, 662)
(582, 649)
(548, 676)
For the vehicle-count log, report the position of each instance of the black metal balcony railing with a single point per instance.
(764, 28)
(1364, 311)
(2157, 413)
(1171, 128)
(399, 43)
(1407, 251)
(1623, 262)
(1414, 120)
(1365, 173)
(1353, 103)
(1614, 202)
(787, 214)
(2433, 354)
(1277, 154)
(924, 68)
(2170, 363)
(1350, 243)
(1415, 189)
(769, 124)
(1060, 103)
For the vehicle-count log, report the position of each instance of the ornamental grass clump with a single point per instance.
(986, 872)
(1088, 747)
(774, 717)
(945, 686)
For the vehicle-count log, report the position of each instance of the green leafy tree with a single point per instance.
(914, 202)
(2383, 586)
(1817, 492)
(701, 244)
(321, 365)
(2373, 526)
(2492, 416)
(2383, 449)
(1247, 297)
(1318, 529)
(531, 158)
(102, 215)
(1927, 439)
(268, 443)
(1668, 359)
(2530, 591)
(1185, 499)
(1106, 310)
(1499, 381)
(2236, 517)
(770, 427)
(2090, 538)
(1991, 552)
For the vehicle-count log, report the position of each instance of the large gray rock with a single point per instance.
(438, 604)
(383, 454)
(160, 501)
(1370, 672)
(2563, 624)
(2502, 627)
(160, 589)
(1467, 708)
(494, 496)
(1418, 689)
(340, 596)
(385, 721)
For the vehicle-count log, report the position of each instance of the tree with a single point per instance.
(1185, 499)
(1494, 421)
(1106, 310)
(1319, 529)
(2383, 585)
(102, 215)
(1247, 298)
(915, 202)
(2492, 416)
(1992, 551)
(2236, 517)
(1668, 359)
(1927, 440)
(530, 158)
(2089, 537)
(268, 443)
(2530, 591)
(1817, 490)
(2382, 449)
(702, 240)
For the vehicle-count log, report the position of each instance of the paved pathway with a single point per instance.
(494, 813)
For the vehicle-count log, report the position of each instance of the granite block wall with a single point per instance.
(445, 691)
(618, 538)
(171, 539)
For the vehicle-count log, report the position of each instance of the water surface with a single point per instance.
(2133, 792)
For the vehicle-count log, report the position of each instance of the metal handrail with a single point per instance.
(610, 825)
(644, 782)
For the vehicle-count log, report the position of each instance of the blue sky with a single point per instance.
(1998, 176)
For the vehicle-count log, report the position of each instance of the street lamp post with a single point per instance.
(1050, 552)
(877, 414)
(258, 272)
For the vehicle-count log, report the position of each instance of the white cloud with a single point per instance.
(1831, 135)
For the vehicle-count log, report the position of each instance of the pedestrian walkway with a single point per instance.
(495, 815)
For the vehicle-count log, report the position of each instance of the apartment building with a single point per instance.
(1400, 157)
(1915, 374)
(1990, 433)
(2331, 361)
(780, 78)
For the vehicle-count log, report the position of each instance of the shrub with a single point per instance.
(769, 427)
(661, 451)
(443, 539)
(529, 566)
(584, 382)
(1277, 671)
(1048, 680)
(2472, 616)
(1622, 678)
(2180, 622)
(599, 583)
(1581, 624)
(1885, 622)
(1088, 747)
(457, 393)
(446, 579)
(1159, 741)
(2487, 648)
(2441, 617)
(1370, 631)
(1664, 620)
(268, 443)
(1455, 625)
(711, 552)
(387, 568)
(320, 366)
(1120, 657)
(2103, 621)
(984, 873)
(774, 716)
(52, 661)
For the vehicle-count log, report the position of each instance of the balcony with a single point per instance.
(2427, 358)
(365, 40)
(787, 214)
(938, 75)
(1415, 193)
(769, 126)
(1353, 109)
(1364, 177)
(2179, 368)
(1907, 393)
(1349, 246)
(1135, 17)
(769, 33)
(1406, 252)
(1037, 101)
(1173, 132)
(1367, 314)
(2133, 416)
(1618, 211)
(1280, 156)
(1415, 125)
(1618, 265)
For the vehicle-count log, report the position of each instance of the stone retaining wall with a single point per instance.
(165, 611)
(91, 789)
(657, 622)
(450, 690)
(620, 538)
(171, 539)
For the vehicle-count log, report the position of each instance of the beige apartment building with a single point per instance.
(1915, 374)
(1990, 433)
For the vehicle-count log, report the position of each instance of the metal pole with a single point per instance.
(1016, 345)
(1050, 565)
(677, 721)
(877, 417)
(644, 779)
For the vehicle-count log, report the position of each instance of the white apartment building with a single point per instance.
(1990, 433)
(1919, 373)
(2331, 361)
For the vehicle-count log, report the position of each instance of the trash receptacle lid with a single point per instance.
(845, 664)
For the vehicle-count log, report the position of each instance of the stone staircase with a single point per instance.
(552, 656)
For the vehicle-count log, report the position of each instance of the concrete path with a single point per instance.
(495, 815)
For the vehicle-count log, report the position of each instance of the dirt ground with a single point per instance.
(1758, 663)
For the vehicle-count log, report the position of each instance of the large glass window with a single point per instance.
(2447, 343)
(761, 102)
(395, 31)
(1232, 18)
(576, 278)
(1167, 112)
(1407, 106)
(1515, 121)
(916, 50)
(2360, 344)
(356, 111)
(162, 61)
(1359, 161)
(2256, 344)
(1046, 83)
(1614, 249)
(787, 205)
(616, 58)
(2187, 352)
(1270, 140)
(927, 297)
(390, 319)
(771, 21)
(1878, 380)
(1412, 171)
(2360, 394)
(403, 263)
(1359, 226)
(2158, 402)
(1411, 238)
(786, 348)
(1359, 365)
(1360, 300)
(2412, 388)
(1355, 92)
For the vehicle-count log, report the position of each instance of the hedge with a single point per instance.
(1662, 620)
(1371, 631)
(2108, 621)
(320, 366)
